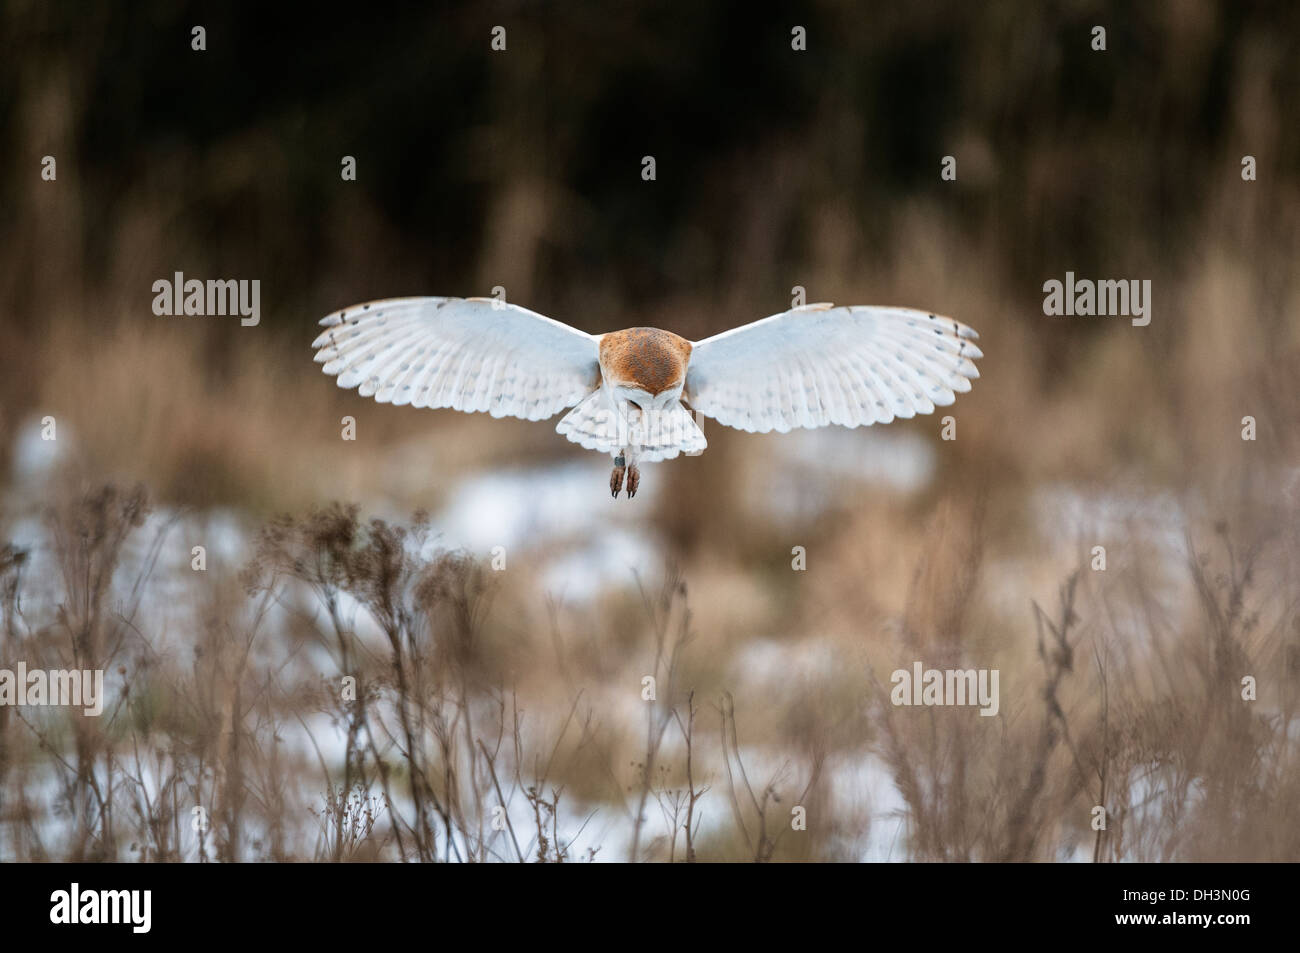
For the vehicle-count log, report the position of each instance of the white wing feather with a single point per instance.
(472, 354)
(820, 365)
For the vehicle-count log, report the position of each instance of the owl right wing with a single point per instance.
(820, 365)
(470, 354)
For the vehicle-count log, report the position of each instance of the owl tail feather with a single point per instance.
(658, 434)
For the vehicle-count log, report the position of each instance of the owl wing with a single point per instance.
(470, 354)
(820, 365)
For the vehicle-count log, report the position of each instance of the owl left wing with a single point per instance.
(470, 354)
(820, 365)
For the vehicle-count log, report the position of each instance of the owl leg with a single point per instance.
(616, 478)
(633, 473)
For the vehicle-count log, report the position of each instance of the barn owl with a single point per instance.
(629, 390)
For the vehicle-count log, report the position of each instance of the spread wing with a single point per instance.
(469, 354)
(820, 365)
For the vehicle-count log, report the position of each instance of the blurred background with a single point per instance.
(521, 686)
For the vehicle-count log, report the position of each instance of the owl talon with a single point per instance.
(633, 480)
(616, 481)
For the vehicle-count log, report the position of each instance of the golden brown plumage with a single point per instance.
(646, 358)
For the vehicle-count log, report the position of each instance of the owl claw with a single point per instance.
(633, 480)
(616, 478)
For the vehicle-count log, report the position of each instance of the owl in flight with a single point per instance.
(629, 390)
